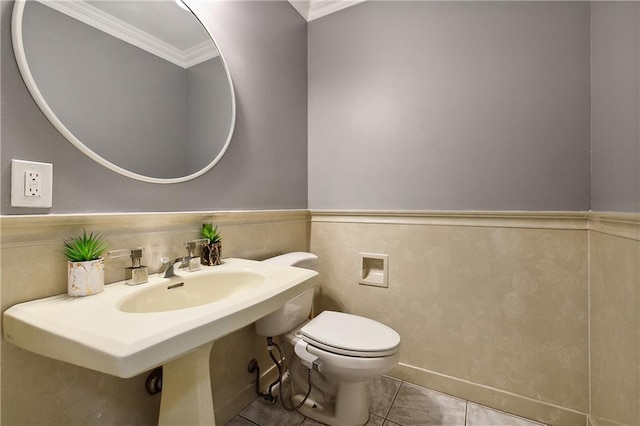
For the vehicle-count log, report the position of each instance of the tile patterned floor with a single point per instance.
(392, 403)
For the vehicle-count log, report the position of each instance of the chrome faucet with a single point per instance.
(169, 265)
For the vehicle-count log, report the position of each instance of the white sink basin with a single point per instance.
(222, 286)
(173, 322)
(127, 330)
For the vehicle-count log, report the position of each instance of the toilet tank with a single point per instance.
(301, 259)
(297, 310)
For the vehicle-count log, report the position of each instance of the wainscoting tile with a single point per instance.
(381, 392)
(481, 304)
(615, 342)
(478, 415)
(418, 406)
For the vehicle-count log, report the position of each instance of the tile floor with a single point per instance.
(392, 403)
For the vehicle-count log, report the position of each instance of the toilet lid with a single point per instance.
(351, 335)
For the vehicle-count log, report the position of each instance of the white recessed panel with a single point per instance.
(374, 269)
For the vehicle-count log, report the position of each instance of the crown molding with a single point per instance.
(199, 53)
(302, 6)
(314, 9)
(320, 8)
(115, 27)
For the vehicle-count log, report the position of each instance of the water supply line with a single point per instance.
(282, 367)
(255, 368)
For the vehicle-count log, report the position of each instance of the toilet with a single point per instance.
(337, 352)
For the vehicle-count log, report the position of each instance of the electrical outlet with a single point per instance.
(31, 184)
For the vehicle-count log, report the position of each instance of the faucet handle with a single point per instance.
(191, 245)
(137, 273)
(135, 254)
(192, 260)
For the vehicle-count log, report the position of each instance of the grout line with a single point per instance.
(393, 400)
(250, 421)
(589, 317)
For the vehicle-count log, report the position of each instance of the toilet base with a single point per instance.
(350, 408)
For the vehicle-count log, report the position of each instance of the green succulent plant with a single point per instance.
(84, 248)
(210, 232)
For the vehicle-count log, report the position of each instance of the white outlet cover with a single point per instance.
(18, 197)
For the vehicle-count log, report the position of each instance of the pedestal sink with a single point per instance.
(125, 331)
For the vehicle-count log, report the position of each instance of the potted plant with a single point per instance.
(85, 264)
(211, 251)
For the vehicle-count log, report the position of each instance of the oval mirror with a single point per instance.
(138, 86)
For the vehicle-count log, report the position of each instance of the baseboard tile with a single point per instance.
(228, 410)
(600, 421)
(490, 397)
(233, 406)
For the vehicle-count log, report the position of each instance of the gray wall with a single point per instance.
(412, 105)
(450, 105)
(264, 44)
(615, 106)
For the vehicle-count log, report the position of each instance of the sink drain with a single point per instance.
(154, 381)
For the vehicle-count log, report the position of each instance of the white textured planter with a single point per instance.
(85, 278)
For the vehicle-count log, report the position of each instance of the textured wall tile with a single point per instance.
(38, 390)
(501, 307)
(41, 391)
(615, 339)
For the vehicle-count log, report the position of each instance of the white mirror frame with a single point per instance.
(21, 59)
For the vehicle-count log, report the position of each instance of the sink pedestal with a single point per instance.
(186, 390)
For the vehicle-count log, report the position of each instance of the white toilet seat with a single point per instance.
(349, 367)
(346, 352)
(350, 335)
(352, 365)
